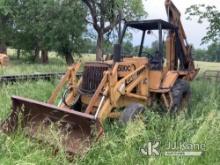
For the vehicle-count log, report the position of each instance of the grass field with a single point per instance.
(121, 144)
(57, 64)
(24, 66)
(207, 65)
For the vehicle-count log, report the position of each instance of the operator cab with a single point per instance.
(145, 28)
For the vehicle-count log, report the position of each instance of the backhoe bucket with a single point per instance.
(73, 130)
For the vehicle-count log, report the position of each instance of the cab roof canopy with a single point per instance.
(150, 24)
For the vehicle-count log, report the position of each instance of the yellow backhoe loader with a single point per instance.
(106, 88)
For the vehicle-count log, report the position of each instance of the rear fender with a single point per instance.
(169, 79)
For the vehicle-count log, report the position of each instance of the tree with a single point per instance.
(31, 26)
(68, 27)
(212, 15)
(214, 52)
(104, 17)
(46, 25)
(6, 24)
(200, 54)
(88, 46)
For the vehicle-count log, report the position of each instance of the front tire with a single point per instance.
(131, 112)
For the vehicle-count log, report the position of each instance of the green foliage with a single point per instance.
(88, 46)
(212, 15)
(49, 24)
(128, 47)
(200, 54)
(68, 26)
(6, 23)
(133, 9)
(43, 25)
(212, 54)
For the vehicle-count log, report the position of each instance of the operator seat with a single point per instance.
(156, 61)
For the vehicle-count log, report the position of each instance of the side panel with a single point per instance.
(169, 79)
(155, 79)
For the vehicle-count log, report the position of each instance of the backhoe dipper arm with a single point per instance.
(182, 48)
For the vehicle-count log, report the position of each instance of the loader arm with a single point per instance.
(69, 77)
(128, 83)
(123, 88)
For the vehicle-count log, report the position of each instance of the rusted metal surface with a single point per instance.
(212, 75)
(92, 76)
(169, 79)
(74, 129)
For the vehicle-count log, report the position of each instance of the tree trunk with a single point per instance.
(18, 53)
(99, 47)
(36, 54)
(44, 56)
(69, 58)
(3, 47)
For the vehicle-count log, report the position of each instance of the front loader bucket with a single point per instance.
(38, 119)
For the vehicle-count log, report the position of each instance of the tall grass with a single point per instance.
(17, 148)
(121, 144)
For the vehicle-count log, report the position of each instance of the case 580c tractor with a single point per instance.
(105, 88)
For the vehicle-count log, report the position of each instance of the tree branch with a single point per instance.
(89, 22)
(112, 25)
(91, 6)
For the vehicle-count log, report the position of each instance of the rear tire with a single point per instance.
(180, 91)
(131, 112)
